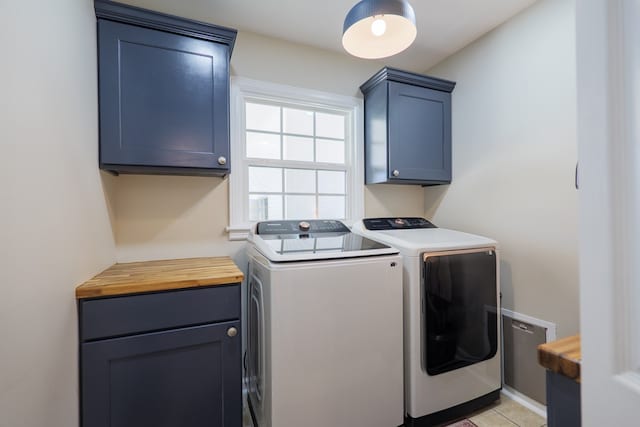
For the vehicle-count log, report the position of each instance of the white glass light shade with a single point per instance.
(359, 39)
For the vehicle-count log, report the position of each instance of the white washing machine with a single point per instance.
(452, 360)
(324, 327)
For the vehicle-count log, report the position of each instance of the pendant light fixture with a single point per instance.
(379, 28)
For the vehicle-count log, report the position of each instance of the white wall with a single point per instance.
(514, 157)
(55, 231)
(172, 216)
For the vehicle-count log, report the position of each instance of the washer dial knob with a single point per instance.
(304, 226)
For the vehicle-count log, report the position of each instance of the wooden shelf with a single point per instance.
(562, 356)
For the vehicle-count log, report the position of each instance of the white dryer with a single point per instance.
(324, 327)
(452, 362)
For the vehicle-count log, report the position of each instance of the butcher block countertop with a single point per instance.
(164, 275)
(562, 356)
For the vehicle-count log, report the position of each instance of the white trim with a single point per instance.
(525, 401)
(608, 89)
(278, 92)
(549, 326)
(242, 88)
(625, 105)
(238, 232)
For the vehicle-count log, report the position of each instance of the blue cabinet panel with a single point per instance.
(164, 97)
(563, 401)
(376, 124)
(184, 377)
(420, 128)
(132, 314)
(407, 128)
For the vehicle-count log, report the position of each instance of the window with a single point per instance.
(296, 160)
(294, 154)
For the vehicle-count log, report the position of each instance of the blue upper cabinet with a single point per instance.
(407, 128)
(163, 92)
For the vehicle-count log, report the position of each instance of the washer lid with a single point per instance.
(306, 240)
(414, 241)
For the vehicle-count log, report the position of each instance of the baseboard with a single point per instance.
(525, 401)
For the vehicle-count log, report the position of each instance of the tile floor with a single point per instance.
(505, 413)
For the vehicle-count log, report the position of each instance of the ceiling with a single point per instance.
(444, 26)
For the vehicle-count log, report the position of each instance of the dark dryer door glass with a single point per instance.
(460, 309)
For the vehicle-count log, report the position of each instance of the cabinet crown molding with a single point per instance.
(400, 76)
(119, 12)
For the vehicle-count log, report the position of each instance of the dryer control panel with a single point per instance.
(378, 224)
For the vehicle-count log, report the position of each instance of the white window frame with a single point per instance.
(243, 89)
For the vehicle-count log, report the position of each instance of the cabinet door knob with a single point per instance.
(232, 332)
(222, 160)
(395, 172)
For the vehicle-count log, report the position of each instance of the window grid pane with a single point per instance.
(262, 117)
(265, 180)
(315, 150)
(331, 207)
(298, 122)
(298, 148)
(263, 207)
(332, 182)
(263, 145)
(330, 126)
(299, 135)
(329, 151)
(300, 181)
(300, 207)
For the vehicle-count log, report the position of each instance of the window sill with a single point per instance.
(238, 232)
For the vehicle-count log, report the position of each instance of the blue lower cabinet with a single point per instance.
(563, 401)
(183, 376)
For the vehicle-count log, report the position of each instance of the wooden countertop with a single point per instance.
(562, 356)
(163, 275)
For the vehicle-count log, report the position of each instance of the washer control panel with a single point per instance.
(378, 224)
(301, 227)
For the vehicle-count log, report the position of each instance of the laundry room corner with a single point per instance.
(514, 158)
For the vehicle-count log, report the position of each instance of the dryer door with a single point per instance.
(460, 309)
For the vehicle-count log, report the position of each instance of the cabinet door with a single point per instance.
(187, 377)
(419, 134)
(164, 100)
